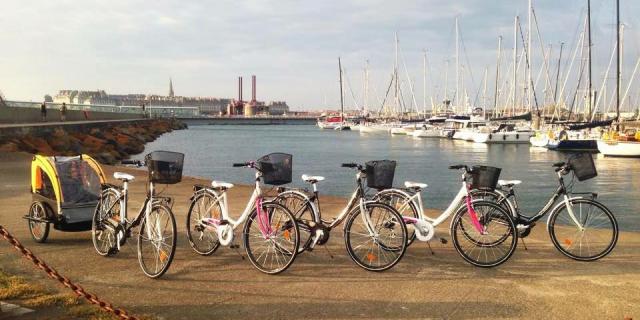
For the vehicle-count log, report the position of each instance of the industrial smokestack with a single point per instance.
(253, 88)
(239, 88)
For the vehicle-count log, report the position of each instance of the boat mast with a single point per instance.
(395, 75)
(529, 85)
(341, 93)
(424, 83)
(484, 93)
(495, 95)
(446, 85)
(366, 87)
(555, 92)
(618, 58)
(590, 106)
(457, 68)
(515, 61)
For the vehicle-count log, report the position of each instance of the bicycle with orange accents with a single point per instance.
(375, 234)
(270, 234)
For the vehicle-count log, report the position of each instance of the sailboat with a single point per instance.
(343, 126)
(616, 143)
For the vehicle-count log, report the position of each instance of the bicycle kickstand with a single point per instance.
(524, 244)
(235, 249)
(429, 244)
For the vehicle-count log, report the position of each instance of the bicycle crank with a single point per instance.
(225, 234)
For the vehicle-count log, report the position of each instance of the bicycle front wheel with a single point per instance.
(595, 239)
(157, 241)
(377, 241)
(405, 207)
(486, 236)
(271, 238)
(104, 223)
(203, 239)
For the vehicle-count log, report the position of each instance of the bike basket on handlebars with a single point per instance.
(582, 166)
(380, 174)
(484, 177)
(276, 168)
(165, 167)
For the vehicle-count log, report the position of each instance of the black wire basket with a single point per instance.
(583, 166)
(484, 177)
(276, 168)
(380, 174)
(165, 167)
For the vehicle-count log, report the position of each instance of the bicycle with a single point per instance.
(478, 241)
(157, 235)
(270, 234)
(375, 234)
(569, 220)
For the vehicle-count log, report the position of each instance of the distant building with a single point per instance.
(203, 105)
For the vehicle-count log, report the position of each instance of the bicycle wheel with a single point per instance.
(303, 212)
(157, 241)
(103, 234)
(596, 238)
(203, 240)
(490, 246)
(405, 207)
(383, 250)
(39, 230)
(272, 238)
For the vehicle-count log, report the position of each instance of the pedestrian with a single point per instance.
(144, 111)
(43, 111)
(63, 112)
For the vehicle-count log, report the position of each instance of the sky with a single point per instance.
(135, 46)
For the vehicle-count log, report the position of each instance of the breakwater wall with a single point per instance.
(107, 141)
(250, 121)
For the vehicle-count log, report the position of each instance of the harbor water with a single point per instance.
(210, 150)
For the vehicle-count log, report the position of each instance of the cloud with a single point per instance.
(292, 46)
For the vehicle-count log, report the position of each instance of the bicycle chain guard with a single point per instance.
(225, 234)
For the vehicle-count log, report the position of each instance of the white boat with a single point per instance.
(373, 128)
(505, 133)
(540, 139)
(468, 129)
(625, 145)
(403, 129)
(343, 126)
(427, 131)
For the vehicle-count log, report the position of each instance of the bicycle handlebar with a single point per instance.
(349, 165)
(241, 164)
(459, 166)
(132, 162)
(558, 164)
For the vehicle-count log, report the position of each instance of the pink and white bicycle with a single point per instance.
(482, 231)
(270, 234)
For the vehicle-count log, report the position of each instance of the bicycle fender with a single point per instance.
(558, 207)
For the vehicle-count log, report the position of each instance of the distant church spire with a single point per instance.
(170, 88)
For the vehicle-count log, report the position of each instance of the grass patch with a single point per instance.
(34, 296)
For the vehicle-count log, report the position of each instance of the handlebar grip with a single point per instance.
(558, 164)
(239, 164)
(349, 165)
(558, 169)
(132, 162)
(457, 166)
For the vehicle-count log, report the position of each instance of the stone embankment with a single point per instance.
(108, 142)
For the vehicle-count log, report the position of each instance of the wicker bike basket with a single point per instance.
(380, 174)
(276, 168)
(165, 167)
(484, 177)
(583, 166)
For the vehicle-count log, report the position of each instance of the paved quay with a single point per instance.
(536, 283)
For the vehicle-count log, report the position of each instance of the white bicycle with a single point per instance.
(482, 232)
(157, 235)
(270, 234)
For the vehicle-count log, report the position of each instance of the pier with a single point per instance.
(241, 120)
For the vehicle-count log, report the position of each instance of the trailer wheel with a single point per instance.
(39, 230)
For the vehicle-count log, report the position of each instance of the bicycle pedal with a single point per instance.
(234, 246)
(443, 241)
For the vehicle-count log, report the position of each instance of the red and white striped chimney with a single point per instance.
(239, 88)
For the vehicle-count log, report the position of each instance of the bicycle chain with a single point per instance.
(52, 273)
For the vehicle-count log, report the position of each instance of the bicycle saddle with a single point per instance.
(312, 179)
(509, 183)
(415, 185)
(123, 176)
(221, 185)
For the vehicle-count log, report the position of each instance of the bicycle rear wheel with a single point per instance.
(203, 240)
(303, 212)
(405, 207)
(107, 213)
(383, 249)
(272, 238)
(596, 238)
(490, 246)
(157, 241)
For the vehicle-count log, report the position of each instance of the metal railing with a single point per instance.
(73, 106)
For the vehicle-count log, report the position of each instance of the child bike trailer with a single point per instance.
(65, 192)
